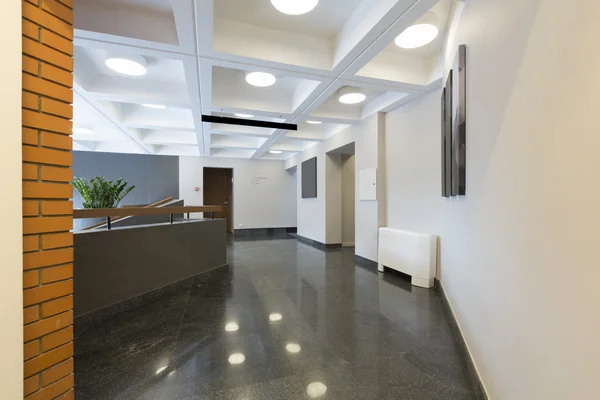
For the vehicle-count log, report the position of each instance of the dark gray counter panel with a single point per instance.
(116, 265)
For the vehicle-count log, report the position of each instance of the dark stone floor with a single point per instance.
(345, 332)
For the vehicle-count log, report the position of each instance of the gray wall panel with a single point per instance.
(154, 177)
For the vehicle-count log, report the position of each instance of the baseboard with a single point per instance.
(318, 245)
(472, 368)
(348, 244)
(365, 262)
(264, 231)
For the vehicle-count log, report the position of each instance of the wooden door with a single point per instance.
(218, 190)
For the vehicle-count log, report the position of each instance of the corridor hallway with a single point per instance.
(282, 321)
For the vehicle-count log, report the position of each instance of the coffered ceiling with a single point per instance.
(197, 54)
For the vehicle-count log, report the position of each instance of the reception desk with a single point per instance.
(120, 265)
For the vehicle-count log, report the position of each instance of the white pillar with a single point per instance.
(11, 262)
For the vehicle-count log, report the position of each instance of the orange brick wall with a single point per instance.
(47, 210)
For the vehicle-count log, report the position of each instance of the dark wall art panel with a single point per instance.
(309, 178)
(454, 128)
(447, 139)
(459, 124)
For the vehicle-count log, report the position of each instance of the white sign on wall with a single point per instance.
(368, 184)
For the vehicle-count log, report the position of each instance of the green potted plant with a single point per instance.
(100, 193)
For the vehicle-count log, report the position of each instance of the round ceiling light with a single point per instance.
(294, 7)
(83, 131)
(260, 79)
(128, 66)
(423, 31)
(158, 106)
(351, 95)
(243, 115)
(416, 36)
(275, 151)
(314, 122)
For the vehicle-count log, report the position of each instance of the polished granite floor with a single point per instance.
(282, 321)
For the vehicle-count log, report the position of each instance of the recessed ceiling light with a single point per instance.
(260, 79)
(236, 358)
(314, 122)
(154, 106)
(416, 36)
(83, 131)
(351, 95)
(126, 66)
(243, 115)
(294, 7)
(275, 151)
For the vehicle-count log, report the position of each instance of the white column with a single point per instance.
(11, 262)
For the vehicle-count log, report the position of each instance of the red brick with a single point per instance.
(47, 292)
(58, 273)
(47, 224)
(53, 241)
(57, 306)
(57, 339)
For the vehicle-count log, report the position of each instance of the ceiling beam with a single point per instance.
(96, 107)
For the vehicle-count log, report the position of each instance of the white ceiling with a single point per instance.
(199, 51)
(324, 21)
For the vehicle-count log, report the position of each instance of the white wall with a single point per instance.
(333, 196)
(519, 259)
(348, 198)
(269, 204)
(11, 264)
(313, 221)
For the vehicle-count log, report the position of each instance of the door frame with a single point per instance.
(231, 192)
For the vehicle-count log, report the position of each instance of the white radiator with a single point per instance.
(412, 253)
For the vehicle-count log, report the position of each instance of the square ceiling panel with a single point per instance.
(230, 90)
(164, 80)
(323, 22)
(416, 65)
(150, 20)
(256, 29)
(333, 108)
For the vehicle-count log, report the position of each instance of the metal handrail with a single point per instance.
(108, 213)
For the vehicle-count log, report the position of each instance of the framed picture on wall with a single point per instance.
(446, 139)
(459, 123)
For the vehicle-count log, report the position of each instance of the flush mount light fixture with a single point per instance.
(260, 79)
(243, 115)
(314, 122)
(159, 106)
(134, 66)
(275, 151)
(83, 131)
(236, 358)
(351, 95)
(420, 33)
(294, 7)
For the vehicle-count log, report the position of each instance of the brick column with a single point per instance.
(47, 208)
